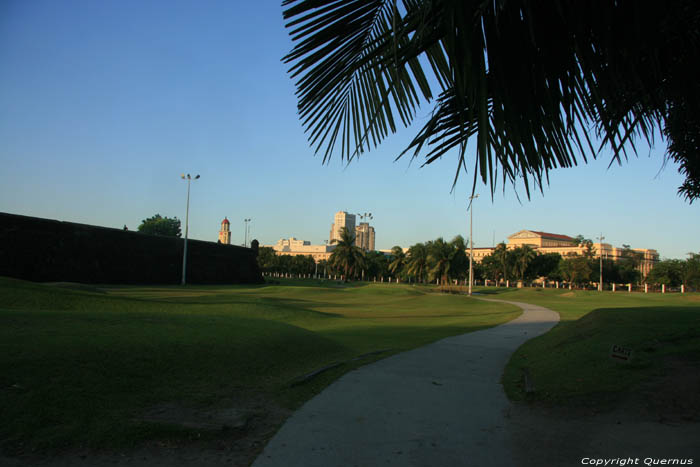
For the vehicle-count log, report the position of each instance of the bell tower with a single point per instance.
(225, 232)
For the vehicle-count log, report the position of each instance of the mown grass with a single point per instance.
(571, 364)
(78, 366)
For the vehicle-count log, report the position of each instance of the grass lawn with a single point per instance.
(78, 365)
(570, 365)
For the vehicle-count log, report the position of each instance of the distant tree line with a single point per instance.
(442, 262)
(525, 264)
(270, 262)
(676, 272)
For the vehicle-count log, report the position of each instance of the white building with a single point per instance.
(342, 219)
(293, 247)
(364, 236)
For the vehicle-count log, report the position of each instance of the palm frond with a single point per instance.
(349, 85)
(531, 81)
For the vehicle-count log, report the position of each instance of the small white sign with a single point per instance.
(620, 354)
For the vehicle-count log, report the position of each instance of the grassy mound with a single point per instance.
(79, 368)
(571, 364)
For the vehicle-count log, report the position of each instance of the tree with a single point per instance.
(590, 251)
(667, 272)
(398, 262)
(377, 264)
(439, 253)
(544, 265)
(575, 269)
(611, 272)
(302, 264)
(322, 267)
(491, 267)
(346, 256)
(267, 259)
(525, 78)
(628, 265)
(418, 261)
(459, 261)
(523, 257)
(501, 254)
(163, 226)
(691, 271)
(587, 243)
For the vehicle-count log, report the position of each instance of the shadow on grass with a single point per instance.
(494, 291)
(571, 364)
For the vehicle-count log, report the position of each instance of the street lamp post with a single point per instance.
(245, 232)
(600, 281)
(187, 223)
(471, 241)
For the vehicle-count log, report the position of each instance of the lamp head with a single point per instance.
(196, 177)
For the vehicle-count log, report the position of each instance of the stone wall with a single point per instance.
(45, 250)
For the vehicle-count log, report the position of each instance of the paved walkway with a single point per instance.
(438, 405)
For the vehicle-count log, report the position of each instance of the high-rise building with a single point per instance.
(225, 232)
(342, 219)
(364, 236)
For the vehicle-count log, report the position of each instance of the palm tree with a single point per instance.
(501, 254)
(439, 255)
(399, 262)
(417, 262)
(377, 264)
(459, 261)
(491, 267)
(526, 78)
(346, 256)
(524, 256)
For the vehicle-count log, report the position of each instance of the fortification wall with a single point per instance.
(45, 250)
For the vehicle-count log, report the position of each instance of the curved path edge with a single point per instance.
(440, 404)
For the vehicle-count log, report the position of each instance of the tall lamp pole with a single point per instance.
(600, 282)
(245, 232)
(187, 224)
(471, 241)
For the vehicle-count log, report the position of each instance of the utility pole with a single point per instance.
(471, 242)
(187, 221)
(600, 282)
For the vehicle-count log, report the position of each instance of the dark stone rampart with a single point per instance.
(45, 250)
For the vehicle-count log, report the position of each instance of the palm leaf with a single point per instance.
(531, 81)
(348, 84)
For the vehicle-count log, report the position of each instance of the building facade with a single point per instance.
(364, 236)
(293, 247)
(225, 232)
(544, 242)
(340, 220)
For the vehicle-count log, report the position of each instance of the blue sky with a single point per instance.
(104, 104)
